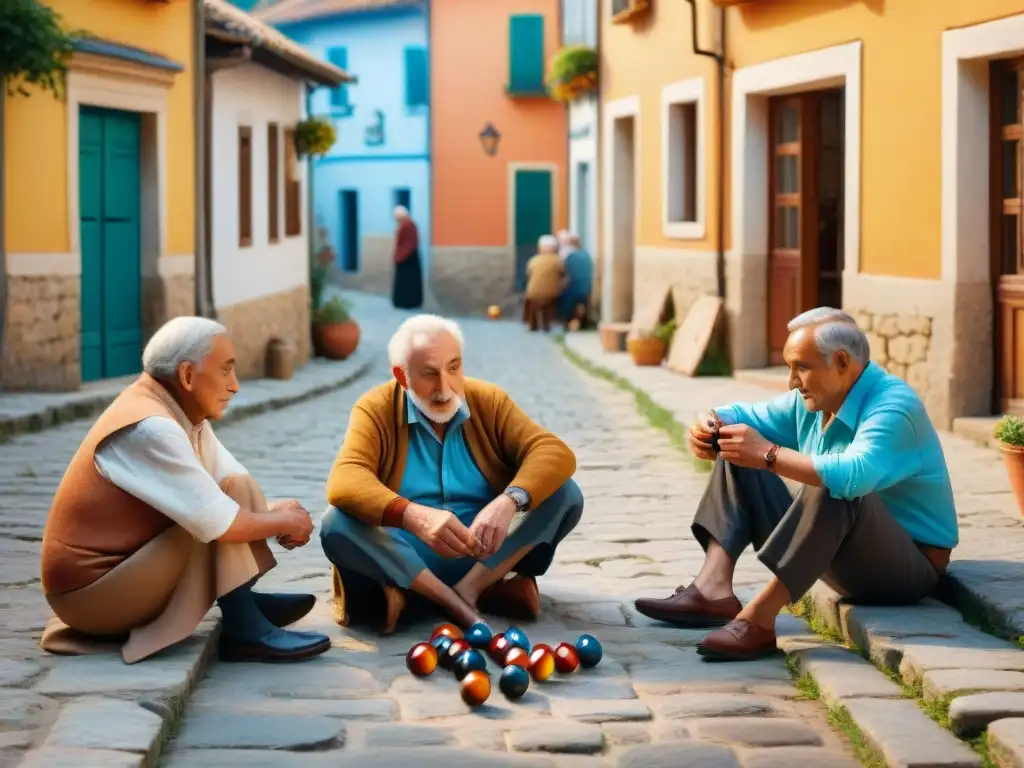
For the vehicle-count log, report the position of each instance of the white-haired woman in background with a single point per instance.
(545, 278)
(407, 292)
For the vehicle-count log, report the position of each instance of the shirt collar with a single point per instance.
(850, 411)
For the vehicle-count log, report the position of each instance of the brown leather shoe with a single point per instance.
(689, 608)
(739, 640)
(516, 598)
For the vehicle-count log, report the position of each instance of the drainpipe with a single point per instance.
(720, 62)
(200, 106)
(3, 234)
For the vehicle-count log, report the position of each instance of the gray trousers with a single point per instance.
(856, 547)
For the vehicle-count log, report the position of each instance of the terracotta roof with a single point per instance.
(224, 17)
(286, 11)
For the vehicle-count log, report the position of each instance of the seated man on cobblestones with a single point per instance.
(154, 520)
(444, 486)
(873, 518)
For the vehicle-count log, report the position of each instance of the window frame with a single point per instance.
(673, 161)
(273, 183)
(292, 188)
(245, 186)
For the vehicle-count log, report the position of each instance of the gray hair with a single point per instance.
(415, 333)
(547, 242)
(401, 212)
(834, 330)
(181, 340)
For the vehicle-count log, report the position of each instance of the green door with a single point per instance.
(532, 217)
(109, 207)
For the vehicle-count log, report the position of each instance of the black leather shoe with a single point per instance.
(278, 646)
(283, 609)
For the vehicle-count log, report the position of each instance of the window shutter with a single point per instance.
(244, 185)
(417, 79)
(339, 58)
(526, 54)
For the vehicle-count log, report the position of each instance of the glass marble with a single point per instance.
(421, 659)
(542, 664)
(566, 660)
(514, 682)
(589, 651)
(469, 661)
(475, 688)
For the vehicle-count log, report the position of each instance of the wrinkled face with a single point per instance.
(211, 385)
(434, 378)
(822, 386)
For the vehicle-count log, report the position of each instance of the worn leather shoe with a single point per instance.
(687, 607)
(283, 609)
(739, 640)
(276, 646)
(516, 598)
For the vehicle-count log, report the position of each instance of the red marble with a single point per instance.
(421, 659)
(519, 657)
(566, 659)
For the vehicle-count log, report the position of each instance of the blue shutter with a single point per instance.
(526, 54)
(339, 96)
(417, 78)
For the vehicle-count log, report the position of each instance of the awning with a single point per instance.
(111, 50)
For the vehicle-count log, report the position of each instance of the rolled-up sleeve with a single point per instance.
(883, 453)
(773, 419)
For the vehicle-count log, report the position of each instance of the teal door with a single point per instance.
(109, 209)
(532, 217)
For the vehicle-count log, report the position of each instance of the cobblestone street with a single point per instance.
(651, 702)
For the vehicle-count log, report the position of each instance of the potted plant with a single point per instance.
(649, 348)
(335, 333)
(1009, 432)
(573, 73)
(314, 136)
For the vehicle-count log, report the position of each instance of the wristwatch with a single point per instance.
(519, 496)
(769, 458)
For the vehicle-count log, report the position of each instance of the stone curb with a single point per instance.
(88, 407)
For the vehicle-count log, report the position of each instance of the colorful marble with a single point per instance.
(518, 657)
(566, 659)
(475, 688)
(421, 659)
(498, 648)
(517, 638)
(448, 630)
(589, 651)
(441, 644)
(469, 661)
(479, 636)
(542, 664)
(456, 649)
(514, 682)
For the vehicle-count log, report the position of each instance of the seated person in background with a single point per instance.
(545, 278)
(574, 302)
(443, 486)
(874, 517)
(154, 520)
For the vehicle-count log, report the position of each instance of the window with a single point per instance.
(292, 188)
(625, 10)
(273, 183)
(402, 197)
(339, 96)
(682, 155)
(417, 78)
(526, 54)
(579, 22)
(244, 185)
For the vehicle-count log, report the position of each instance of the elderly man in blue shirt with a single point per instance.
(873, 518)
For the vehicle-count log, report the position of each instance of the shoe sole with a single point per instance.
(710, 654)
(233, 657)
(685, 622)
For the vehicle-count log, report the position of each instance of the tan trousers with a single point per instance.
(158, 595)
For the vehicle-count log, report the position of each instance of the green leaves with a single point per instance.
(1010, 430)
(34, 48)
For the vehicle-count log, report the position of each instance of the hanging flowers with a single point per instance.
(573, 73)
(314, 136)
(34, 50)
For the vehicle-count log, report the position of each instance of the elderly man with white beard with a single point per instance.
(444, 487)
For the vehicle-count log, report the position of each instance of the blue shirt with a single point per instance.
(881, 441)
(579, 268)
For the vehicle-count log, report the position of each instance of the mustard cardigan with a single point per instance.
(506, 444)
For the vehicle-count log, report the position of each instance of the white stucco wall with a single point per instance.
(254, 96)
(583, 149)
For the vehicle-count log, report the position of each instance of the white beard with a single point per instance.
(439, 413)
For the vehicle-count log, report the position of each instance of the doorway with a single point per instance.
(532, 216)
(806, 216)
(348, 235)
(110, 213)
(623, 220)
(403, 197)
(583, 206)
(1007, 234)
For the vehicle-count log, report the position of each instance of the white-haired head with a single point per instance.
(401, 212)
(547, 244)
(181, 340)
(416, 333)
(563, 235)
(834, 330)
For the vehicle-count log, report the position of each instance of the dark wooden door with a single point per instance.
(1008, 234)
(793, 215)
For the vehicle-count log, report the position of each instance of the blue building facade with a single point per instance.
(382, 155)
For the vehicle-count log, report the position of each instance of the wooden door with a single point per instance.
(533, 198)
(793, 215)
(349, 236)
(110, 226)
(1008, 234)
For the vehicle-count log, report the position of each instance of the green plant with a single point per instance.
(34, 48)
(573, 72)
(1010, 430)
(317, 282)
(665, 331)
(314, 136)
(336, 310)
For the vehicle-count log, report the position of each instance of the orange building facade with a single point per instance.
(499, 146)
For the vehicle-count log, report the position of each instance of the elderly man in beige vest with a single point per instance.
(154, 520)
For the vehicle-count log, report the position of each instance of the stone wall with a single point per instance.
(165, 297)
(42, 333)
(690, 274)
(254, 323)
(466, 280)
(902, 344)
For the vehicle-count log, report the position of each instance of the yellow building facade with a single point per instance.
(871, 161)
(99, 234)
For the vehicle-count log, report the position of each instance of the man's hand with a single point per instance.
(743, 446)
(491, 526)
(700, 441)
(440, 530)
(297, 525)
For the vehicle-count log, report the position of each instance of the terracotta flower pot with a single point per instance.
(1013, 457)
(336, 341)
(646, 351)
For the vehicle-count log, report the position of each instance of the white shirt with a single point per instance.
(154, 461)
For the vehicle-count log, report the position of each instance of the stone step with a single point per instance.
(1006, 742)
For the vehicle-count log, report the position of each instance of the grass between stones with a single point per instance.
(657, 416)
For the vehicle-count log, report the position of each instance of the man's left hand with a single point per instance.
(743, 446)
(285, 541)
(491, 526)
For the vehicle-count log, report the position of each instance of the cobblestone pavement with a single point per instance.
(651, 702)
